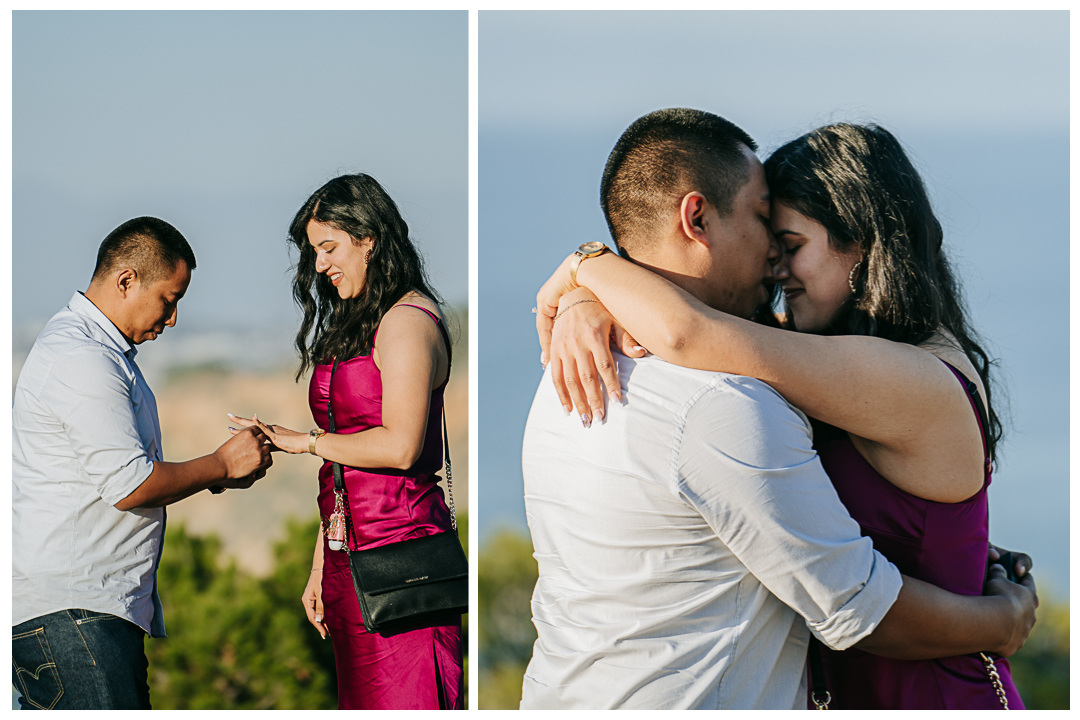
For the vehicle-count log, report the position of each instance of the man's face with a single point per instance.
(151, 307)
(743, 249)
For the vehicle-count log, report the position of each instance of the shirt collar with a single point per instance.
(82, 305)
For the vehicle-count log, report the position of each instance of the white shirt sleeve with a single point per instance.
(747, 463)
(90, 391)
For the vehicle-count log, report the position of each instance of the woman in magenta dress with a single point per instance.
(884, 361)
(366, 301)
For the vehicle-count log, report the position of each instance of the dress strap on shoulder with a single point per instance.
(980, 410)
(442, 329)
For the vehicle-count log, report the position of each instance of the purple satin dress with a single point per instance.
(941, 543)
(419, 668)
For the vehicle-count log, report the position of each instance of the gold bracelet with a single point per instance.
(572, 305)
(315, 435)
(315, 570)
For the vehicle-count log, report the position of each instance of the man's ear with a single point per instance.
(126, 280)
(692, 216)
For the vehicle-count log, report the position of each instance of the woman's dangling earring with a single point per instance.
(367, 257)
(851, 276)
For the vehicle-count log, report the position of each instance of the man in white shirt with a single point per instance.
(89, 484)
(689, 545)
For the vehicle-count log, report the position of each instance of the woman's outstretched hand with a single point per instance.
(282, 438)
(580, 354)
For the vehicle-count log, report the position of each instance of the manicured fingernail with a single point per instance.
(598, 413)
(638, 348)
(230, 414)
(1023, 568)
(318, 618)
(254, 416)
(615, 396)
(232, 428)
(586, 420)
(566, 409)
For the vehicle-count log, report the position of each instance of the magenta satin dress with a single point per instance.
(941, 543)
(419, 668)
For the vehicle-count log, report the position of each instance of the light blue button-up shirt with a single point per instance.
(84, 436)
(687, 548)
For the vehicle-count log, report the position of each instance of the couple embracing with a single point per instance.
(90, 484)
(747, 501)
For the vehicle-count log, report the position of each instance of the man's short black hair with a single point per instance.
(149, 246)
(660, 158)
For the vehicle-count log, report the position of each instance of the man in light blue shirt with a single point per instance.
(89, 484)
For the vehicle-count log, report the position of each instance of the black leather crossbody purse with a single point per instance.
(409, 583)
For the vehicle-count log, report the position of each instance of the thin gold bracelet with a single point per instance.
(315, 570)
(570, 306)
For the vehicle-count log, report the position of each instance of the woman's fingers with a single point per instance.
(242, 421)
(570, 378)
(627, 345)
(543, 331)
(560, 386)
(609, 374)
(313, 607)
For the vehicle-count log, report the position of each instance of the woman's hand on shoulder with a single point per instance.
(547, 303)
(579, 352)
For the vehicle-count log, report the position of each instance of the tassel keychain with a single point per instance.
(335, 531)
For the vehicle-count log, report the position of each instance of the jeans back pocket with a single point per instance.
(34, 670)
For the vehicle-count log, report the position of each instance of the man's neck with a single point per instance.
(676, 273)
(100, 298)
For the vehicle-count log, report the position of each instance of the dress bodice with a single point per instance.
(386, 505)
(944, 544)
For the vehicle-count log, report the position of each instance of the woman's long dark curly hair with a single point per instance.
(857, 181)
(333, 327)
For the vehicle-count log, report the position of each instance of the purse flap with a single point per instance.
(430, 559)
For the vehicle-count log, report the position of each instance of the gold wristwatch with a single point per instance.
(588, 250)
(315, 435)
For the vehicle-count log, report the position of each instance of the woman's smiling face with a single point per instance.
(812, 273)
(340, 258)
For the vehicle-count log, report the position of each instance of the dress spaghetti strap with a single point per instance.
(442, 329)
(980, 411)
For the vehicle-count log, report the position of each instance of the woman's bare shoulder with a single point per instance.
(417, 299)
(944, 346)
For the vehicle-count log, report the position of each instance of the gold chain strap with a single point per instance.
(822, 704)
(450, 495)
(995, 679)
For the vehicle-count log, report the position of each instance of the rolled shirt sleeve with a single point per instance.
(747, 463)
(97, 397)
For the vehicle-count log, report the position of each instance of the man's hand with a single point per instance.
(1023, 600)
(1021, 562)
(244, 455)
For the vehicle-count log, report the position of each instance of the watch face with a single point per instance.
(591, 247)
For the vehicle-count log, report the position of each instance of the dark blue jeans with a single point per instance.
(79, 659)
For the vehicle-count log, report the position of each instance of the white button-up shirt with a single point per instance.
(84, 436)
(684, 547)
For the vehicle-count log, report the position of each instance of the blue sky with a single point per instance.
(981, 100)
(223, 123)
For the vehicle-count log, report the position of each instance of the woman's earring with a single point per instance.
(367, 257)
(851, 276)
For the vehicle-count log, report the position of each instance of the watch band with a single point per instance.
(587, 250)
(315, 435)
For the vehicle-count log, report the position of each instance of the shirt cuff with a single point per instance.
(126, 480)
(862, 613)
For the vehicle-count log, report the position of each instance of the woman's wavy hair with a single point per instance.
(333, 327)
(857, 181)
